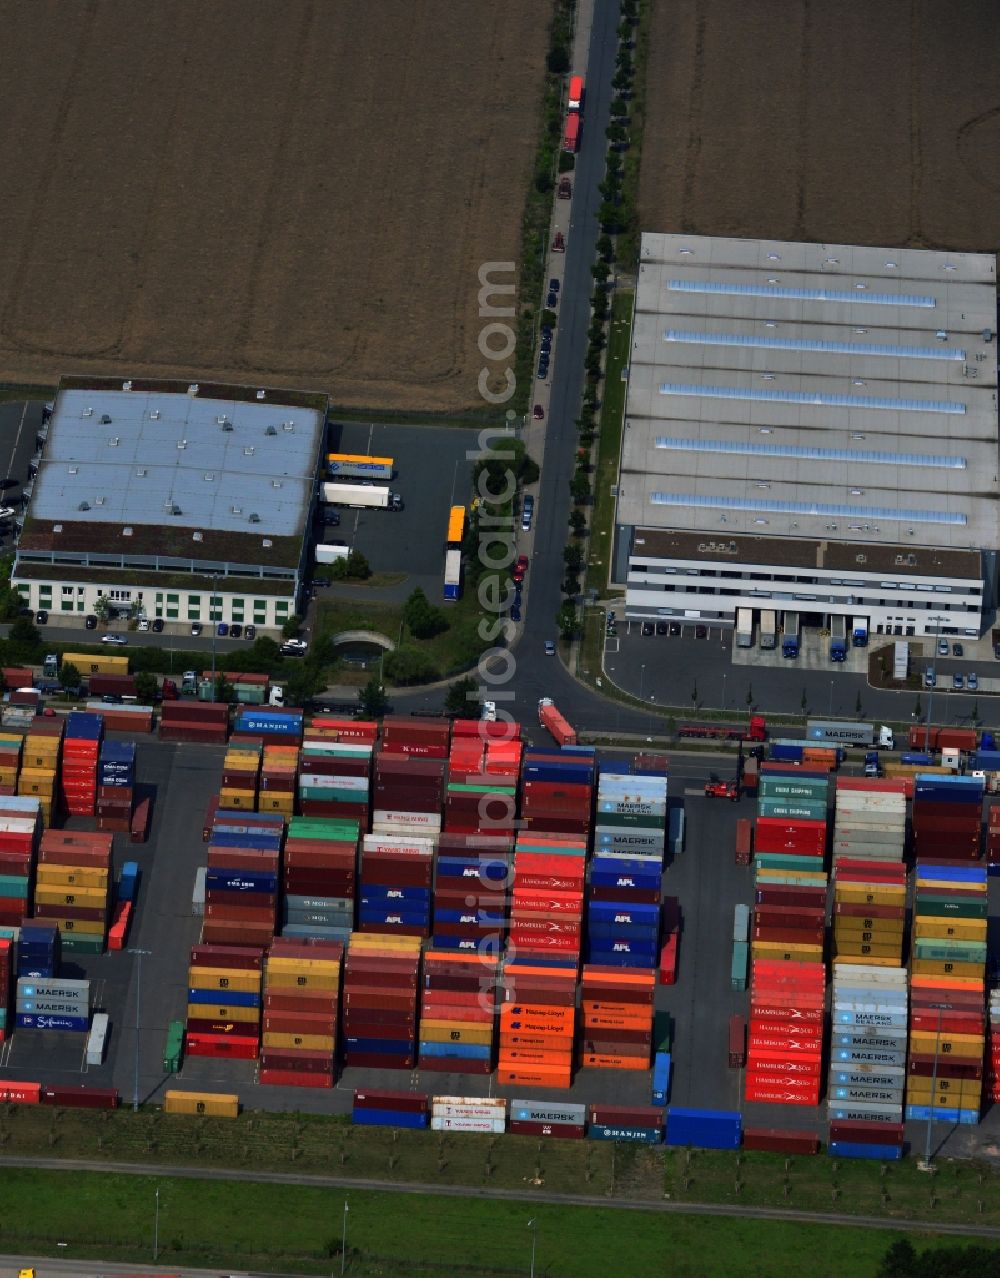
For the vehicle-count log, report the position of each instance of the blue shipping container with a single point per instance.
(389, 1118)
(65, 1024)
(855, 1149)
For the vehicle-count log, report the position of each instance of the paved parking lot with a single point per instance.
(431, 474)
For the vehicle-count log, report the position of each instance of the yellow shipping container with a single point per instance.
(281, 963)
(870, 960)
(41, 789)
(876, 948)
(86, 927)
(385, 941)
(880, 927)
(72, 875)
(920, 1090)
(302, 981)
(8, 776)
(868, 896)
(214, 1104)
(94, 898)
(206, 978)
(275, 801)
(792, 953)
(301, 1042)
(925, 926)
(967, 1046)
(455, 1032)
(102, 663)
(221, 1012)
(945, 967)
(239, 800)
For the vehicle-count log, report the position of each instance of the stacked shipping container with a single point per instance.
(272, 725)
(617, 1029)
(867, 999)
(623, 911)
(240, 777)
(869, 912)
(993, 1053)
(301, 1004)
(319, 877)
(38, 948)
(947, 992)
(537, 1022)
(557, 790)
(947, 817)
(40, 759)
(73, 886)
(381, 1108)
(470, 896)
(631, 814)
(116, 786)
(397, 876)
(206, 721)
(870, 819)
(408, 794)
(81, 749)
(278, 773)
(381, 978)
(785, 1042)
(20, 830)
(6, 977)
(335, 769)
(546, 912)
(10, 761)
(224, 997)
(241, 885)
(458, 1012)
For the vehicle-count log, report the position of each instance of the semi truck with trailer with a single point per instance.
(575, 96)
(845, 732)
(549, 717)
(453, 574)
(359, 466)
(744, 627)
(859, 632)
(790, 635)
(838, 638)
(768, 632)
(755, 730)
(372, 496)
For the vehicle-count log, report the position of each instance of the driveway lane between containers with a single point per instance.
(431, 473)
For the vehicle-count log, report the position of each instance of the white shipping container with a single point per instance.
(870, 801)
(459, 1107)
(198, 893)
(403, 821)
(326, 554)
(97, 1038)
(54, 989)
(323, 781)
(486, 1126)
(398, 843)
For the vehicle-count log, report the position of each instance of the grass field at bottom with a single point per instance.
(226, 1224)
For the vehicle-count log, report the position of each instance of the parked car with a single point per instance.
(331, 518)
(958, 682)
(647, 628)
(235, 630)
(119, 641)
(41, 617)
(972, 680)
(545, 346)
(90, 622)
(546, 330)
(143, 625)
(542, 371)
(661, 627)
(250, 632)
(538, 413)
(559, 242)
(293, 647)
(701, 632)
(675, 627)
(196, 628)
(957, 650)
(158, 625)
(550, 648)
(222, 629)
(551, 299)
(553, 285)
(942, 647)
(930, 679)
(515, 613)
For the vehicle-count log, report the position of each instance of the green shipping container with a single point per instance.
(663, 1031)
(77, 943)
(13, 885)
(336, 829)
(785, 788)
(950, 951)
(250, 694)
(174, 1047)
(794, 809)
(941, 907)
(738, 971)
(789, 861)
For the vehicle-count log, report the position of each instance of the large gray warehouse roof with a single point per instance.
(809, 390)
(163, 457)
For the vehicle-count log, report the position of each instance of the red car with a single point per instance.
(520, 568)
(538, 412)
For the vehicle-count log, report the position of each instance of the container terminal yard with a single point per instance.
(469, 927)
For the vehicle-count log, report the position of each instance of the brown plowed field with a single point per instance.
(859, 121)
(295, 192)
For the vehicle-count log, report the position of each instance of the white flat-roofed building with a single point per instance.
(186, 502)
(811, 401)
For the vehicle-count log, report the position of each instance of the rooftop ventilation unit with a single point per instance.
(99, 501)
(182, 443)
(268, 543)
(275, 483)
(193, 388)
(254, 518)
(126, 386)
(57, 528)
(209, 476)
(154, 416)
(987, 335)
(271, 430)
(260, 394)
(114, 441)
(236, 510)
(287, 425)
(88, 412)
(221, 419)
(248, 452)
(105, 419)
(198, 536)
(127, 530)
(227, 426)
(74, 470)
(142, 472)
(84, 505)
(176, 510)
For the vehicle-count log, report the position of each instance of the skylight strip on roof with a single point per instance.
(818, 398)
(808, 508)
(801, 294)
(741, 448)
(691, 338)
